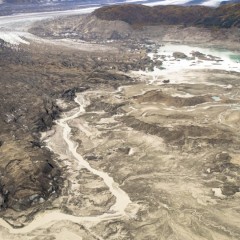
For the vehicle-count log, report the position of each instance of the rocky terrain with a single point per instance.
(36, 82)
(102, 136)
(194, 24)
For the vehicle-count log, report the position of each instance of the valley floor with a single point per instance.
(145, 149)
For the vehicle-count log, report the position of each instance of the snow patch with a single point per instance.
(212, 3)
(167, 2)
(14, 38)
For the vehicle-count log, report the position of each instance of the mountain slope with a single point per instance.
(224, 16)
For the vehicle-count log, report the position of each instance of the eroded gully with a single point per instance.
(121, 208)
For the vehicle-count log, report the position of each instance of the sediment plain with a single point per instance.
(121, 136)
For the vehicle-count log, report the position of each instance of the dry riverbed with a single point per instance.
(171, 148)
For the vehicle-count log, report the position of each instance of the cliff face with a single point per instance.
(225, 16)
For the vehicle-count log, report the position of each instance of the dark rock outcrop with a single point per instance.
(179, 55)
(70, 94)
(28, 180)
(50, 113)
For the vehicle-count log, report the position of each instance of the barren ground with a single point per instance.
(143, 153)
